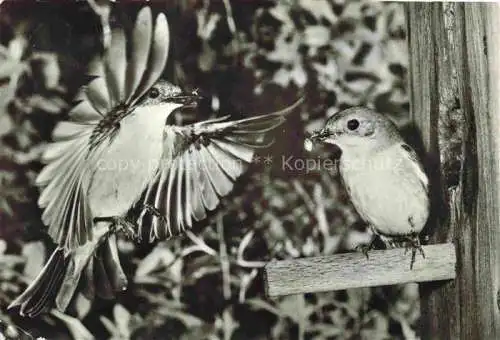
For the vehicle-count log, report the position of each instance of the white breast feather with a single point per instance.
(130, 161)
(387, 191)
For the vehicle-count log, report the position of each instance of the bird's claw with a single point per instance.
(414, 245)
(120, 224)
(365, 248)
(155, 212)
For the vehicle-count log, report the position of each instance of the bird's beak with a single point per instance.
(189, 100)
(321, 136)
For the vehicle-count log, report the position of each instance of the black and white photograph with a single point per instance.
(249, 170)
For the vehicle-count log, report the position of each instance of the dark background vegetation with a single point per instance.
(246, 57)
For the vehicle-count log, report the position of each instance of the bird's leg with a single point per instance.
(119, 223)
(155, 212)
(365, 248)
(414, 244)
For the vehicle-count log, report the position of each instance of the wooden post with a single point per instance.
(354, 270)
(455, 92)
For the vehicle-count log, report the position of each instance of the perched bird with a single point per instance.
(116, 152)
(382, 174)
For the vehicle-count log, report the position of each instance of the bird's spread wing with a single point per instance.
(63, 196)
(200, 164)
(116, 82)
(417, 166)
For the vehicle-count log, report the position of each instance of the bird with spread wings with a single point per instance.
(115, 152)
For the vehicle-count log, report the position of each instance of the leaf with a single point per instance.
(244, 244)
(11, 68)
(51, 71)
(206, 23)
(103, 9)
(327, 74)
(122, 325)
(109, 325)
(320, 9)
(161, 258)
(207, 58)
(357, 300)
(11, 260)
(190, 321)
(326, 330)
(6, 124)
(294, 307)
(31, 155)
(122, 319)
(408, 332)
(5, 207)
(299, 75)
(316, 36)
(286, 49)
(262, 304)
(76, 328)
(202, 271)
(229, 324)
(282, 77)
(206, 331)
(34, 253)
(82, 305)
(245, 282)
(51, 104)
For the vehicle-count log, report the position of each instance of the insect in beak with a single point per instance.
(189, 100)
(318, 136)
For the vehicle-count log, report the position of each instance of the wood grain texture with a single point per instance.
(354, 270)
(455, 101)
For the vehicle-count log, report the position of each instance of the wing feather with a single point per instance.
(188, 211)
(208, 195)
(58, 149)
(84, 112)
(231, 165)
(97, 90)
(67, 163)
(416, 165)
(157, 203)
(112, 80)
(179, 195)
(218, 179)
(168, 202)
(200, 164)
(240, 151)
(116, 64)
(141, 41)
(157, 58)
(198, 212)
(68, 130)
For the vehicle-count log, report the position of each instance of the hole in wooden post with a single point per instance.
(498, 299)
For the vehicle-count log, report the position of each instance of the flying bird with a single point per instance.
(382, 175)
(116, 152)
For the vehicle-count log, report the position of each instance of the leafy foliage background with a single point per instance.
(246, 57)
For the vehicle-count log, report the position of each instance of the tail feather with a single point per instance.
(88, 289)
(107, 273)
(55, 286)
(111, 261)
(36, 298)
(103, 286)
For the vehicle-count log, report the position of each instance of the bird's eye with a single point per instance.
(154, 93)
(352, 124)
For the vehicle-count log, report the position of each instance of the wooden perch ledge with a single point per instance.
(354, 270)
